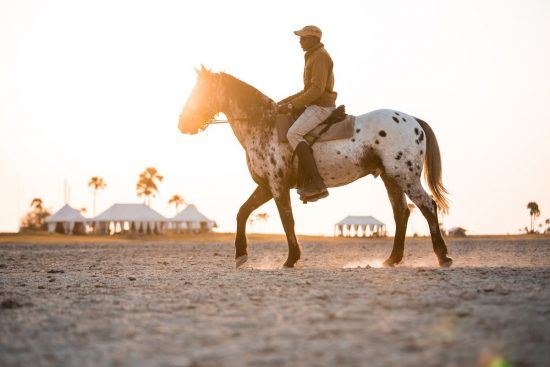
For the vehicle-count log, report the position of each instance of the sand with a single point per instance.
(178, 301)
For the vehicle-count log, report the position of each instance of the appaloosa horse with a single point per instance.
(388, 143)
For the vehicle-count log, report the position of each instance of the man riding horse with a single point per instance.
(314, 104)
(385, 143)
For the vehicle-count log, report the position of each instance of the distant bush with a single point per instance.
(35, 219)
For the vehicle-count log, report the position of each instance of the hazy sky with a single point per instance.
(95, 88)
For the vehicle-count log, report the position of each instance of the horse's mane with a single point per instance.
(256, 104)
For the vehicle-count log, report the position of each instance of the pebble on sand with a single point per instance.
(10, 304)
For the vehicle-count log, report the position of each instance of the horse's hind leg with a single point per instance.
(259, 197)
(428, 207)
(401, 215)
(282, 199)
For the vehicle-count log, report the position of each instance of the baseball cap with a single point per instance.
(309, 30)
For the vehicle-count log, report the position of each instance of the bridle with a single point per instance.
(216, 121)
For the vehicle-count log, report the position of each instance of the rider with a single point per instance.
(319, 100)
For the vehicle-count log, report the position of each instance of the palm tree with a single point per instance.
(441, 216)
(36, 204)
(96, 183)
(412, 208)
(35, 218)
(177, 200)
(261, 217)
(534, 212)
(251, 221)
(147, 184)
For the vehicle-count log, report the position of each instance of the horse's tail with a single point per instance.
(432, 168)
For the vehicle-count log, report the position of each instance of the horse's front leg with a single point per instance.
(282, 199)
(260, 196)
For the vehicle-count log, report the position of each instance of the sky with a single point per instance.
(96, 88)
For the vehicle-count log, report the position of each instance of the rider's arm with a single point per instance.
(319, 75)
(290, 98)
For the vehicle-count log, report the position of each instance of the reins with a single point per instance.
(216, 121)
(212, 122)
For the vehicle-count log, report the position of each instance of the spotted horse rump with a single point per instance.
(385, 143)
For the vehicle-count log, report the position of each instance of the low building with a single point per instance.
(132, 218)
(67, 220)
(360, 225)
(191, 220)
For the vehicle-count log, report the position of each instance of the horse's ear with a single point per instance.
(205, 69)
(196, 70)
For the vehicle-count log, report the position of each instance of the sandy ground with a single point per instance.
(179, 302)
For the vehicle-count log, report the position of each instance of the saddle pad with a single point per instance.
(340, 130)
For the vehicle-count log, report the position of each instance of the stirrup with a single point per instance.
(314, 198)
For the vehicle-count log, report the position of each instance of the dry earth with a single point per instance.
(178, 301)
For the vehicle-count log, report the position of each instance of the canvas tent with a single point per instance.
(353, 224)
(138, 218)
(67, 220)
(191, 220)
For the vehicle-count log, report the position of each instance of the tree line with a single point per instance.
(147, 187)
(534, 213)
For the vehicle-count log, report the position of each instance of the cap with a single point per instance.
(309, 30)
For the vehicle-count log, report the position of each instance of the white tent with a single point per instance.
(360, 222)
(129, 217)
(66, 220)
(191, 220)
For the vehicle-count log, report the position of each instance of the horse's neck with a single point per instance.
(247, 129)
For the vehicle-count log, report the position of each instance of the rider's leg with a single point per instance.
(316, 189)
(310, 119)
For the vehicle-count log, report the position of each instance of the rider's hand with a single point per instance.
(283, 108)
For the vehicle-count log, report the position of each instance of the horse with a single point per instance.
(386, 143)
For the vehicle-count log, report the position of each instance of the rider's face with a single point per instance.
(308, 42)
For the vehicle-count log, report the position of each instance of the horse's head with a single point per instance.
(203, 103)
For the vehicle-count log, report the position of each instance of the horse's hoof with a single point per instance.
(390, 263)
(240, 261)
(288, 265)
(446, 263)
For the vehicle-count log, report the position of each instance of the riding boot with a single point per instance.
(314, 187)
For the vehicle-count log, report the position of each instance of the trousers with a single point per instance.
(308, 120)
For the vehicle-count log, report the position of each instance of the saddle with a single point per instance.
(338, 125)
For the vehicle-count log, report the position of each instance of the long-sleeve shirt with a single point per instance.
(318, 80)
